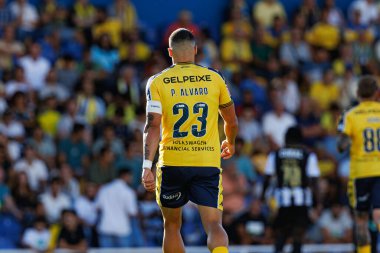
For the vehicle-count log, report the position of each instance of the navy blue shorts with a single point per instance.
(364, 193)
(176, 185)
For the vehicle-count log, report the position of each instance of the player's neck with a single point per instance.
(183, 60)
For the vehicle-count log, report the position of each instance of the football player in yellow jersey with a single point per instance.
(360, 129)
(186, 100)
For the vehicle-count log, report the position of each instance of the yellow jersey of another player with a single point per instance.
(362, 125)
(189, 97)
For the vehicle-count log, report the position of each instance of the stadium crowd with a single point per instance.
(72, 106)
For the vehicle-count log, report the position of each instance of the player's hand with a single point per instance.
(228, 150)
(148, 180)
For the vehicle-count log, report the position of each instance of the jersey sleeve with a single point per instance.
(153, 100)
(225, 99)
(270, 165)
(345, 124)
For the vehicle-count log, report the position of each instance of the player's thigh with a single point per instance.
(172, 190)
(360, 194)
(206, 187)
(172, 217)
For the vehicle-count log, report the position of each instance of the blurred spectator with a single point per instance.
(151, 221)
(252, 226)
(34, 168)
(368, 10)
(335, 16)
(124, 11)
(235, 188)
(90, 107)
(71, 236)
(43, 145)
(102, 169)
(51, 46)
(104, 55)
(54, 200)
(117, 203)
(11, 128)
(67, 72)
(276, 123)
(208, 48)
(249, 127)
(235, 51)
(68, 119)
(296, 51)
(133, 49)
(243, 162)
(6, 200)
(84, 14)
(49, 117)
(328, 87)
(236, 21)
(310, 11)
(6, 15)
(261, 51)
(363, 53)
(288, 89)
(74, 150)
(345, 61)
(336, 225)
(53, 88)
(18, 83)
(264, 12)
(37, 238)
(109, 139)
(104, 25)
(128, 85)
(85, 207)
(10, 49)
(184, 20)
(26, 17)
(24, 197)
(131, 160)
(70, 185)
(324, 34)
(35, 66)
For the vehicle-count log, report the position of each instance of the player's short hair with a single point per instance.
(181, 35)
(367, 87)
(293, 136)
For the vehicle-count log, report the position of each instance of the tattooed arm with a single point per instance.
(152, 133)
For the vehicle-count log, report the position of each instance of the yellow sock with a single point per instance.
(364, 249)
(223, 250)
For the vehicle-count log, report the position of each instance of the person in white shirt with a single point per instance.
(37, 237)
(117, 204)
(367, 8)
(85, 207)
(11, 128)
(26, 14)
(34, 168)
(276, 123)
(36, 67)
(54, 201)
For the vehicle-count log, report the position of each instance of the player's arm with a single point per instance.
(152, 133)
(344, 140)
(227, 111)
(230, 130)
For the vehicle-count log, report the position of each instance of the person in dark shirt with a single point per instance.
(72, 235)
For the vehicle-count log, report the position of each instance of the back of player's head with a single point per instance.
(293, 136)
(181, 36)
(367, 87)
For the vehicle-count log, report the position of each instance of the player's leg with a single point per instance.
(206, 191)
(360, 197)
(363, 237)
(280, 227)
(171, 195)
(172, 242)
(375, 199)
(217, 239)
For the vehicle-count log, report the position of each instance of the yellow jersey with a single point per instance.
(188, 96)
(362, 125)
